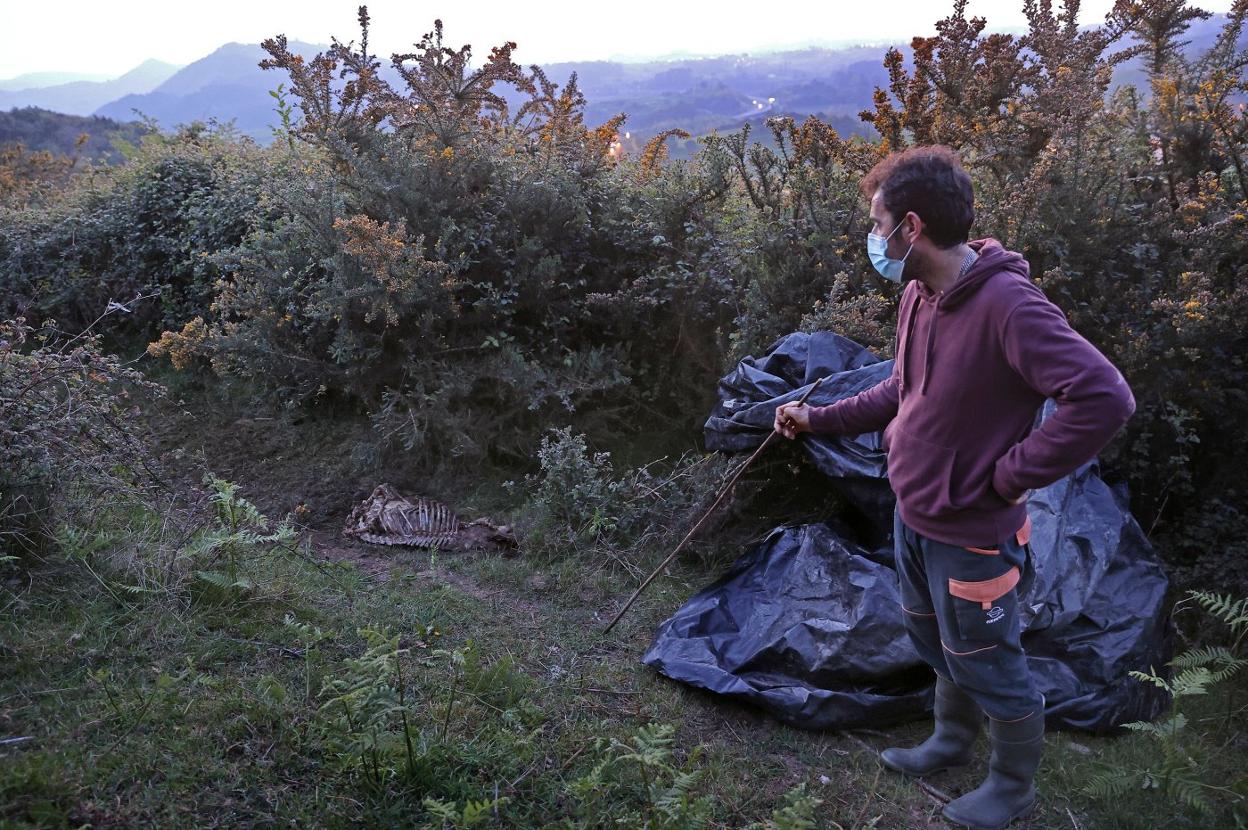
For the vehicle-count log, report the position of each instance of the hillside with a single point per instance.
(39, 129)
(227, 84)
(327, 466)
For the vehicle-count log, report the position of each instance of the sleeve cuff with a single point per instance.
(823, 420)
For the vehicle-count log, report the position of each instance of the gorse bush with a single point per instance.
(486, 262)
(32, 177)
(805, 223)
(466, 260)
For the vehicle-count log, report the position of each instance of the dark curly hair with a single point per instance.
(931, 182)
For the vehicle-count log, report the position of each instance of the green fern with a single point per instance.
(638, 784)
(227, 583)
(1225, 608)
(1109, 784)
(1169, 726)
(796, 813)
(233, 510)
(1217, 660)
(307, 633)
(454, 818)
(240, 537)
(361, 711)
(1152, 677)
(1191, 682)
(1195, 657)
(1194, 672)
(1190, 791)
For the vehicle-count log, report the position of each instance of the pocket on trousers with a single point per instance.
(985, 608)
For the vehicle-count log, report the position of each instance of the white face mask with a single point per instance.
(888, 268)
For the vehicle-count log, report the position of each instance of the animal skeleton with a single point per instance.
(389, 518)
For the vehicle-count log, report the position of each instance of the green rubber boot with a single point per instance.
(958, 721)
(1009, 790)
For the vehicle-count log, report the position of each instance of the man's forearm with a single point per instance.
(868, 411)
(1093, 400)
(1070, 437)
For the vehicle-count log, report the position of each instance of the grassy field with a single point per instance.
(332, 684)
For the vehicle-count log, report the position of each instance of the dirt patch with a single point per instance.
(337, 548)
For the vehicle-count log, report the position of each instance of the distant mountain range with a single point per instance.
(84, 97)
(722, 93)
(38, 80)
(228, 84)
(696, 94)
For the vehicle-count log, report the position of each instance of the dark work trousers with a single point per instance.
(961, 610)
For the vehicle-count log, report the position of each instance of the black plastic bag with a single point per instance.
(807, 623)
(749, 396)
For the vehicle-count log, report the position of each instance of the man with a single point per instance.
(979, 348)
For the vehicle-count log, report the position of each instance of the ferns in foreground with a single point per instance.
(639, 783)
(1226, 609)
(1176, 774)
(797, 812)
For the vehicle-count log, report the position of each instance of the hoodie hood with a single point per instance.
(993, 258)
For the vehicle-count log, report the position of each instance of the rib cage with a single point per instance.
(387, 518)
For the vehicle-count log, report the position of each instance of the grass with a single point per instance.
(178, 707)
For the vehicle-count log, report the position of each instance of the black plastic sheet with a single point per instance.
(807, 623)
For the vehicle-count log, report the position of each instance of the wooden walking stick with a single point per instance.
(727, 487)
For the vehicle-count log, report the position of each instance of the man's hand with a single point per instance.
(792, 418)
(1022, 498)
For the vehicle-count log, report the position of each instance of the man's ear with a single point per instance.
(914, 227)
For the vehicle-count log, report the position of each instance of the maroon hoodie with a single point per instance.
(974, 364)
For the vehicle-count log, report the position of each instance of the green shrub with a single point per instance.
(148, 228)
(804, 225)
(450, 275)
(66, 431)
(579, 504)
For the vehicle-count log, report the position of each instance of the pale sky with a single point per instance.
(112, 37)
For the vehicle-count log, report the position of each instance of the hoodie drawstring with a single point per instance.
(931, 338)
(905, 349)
